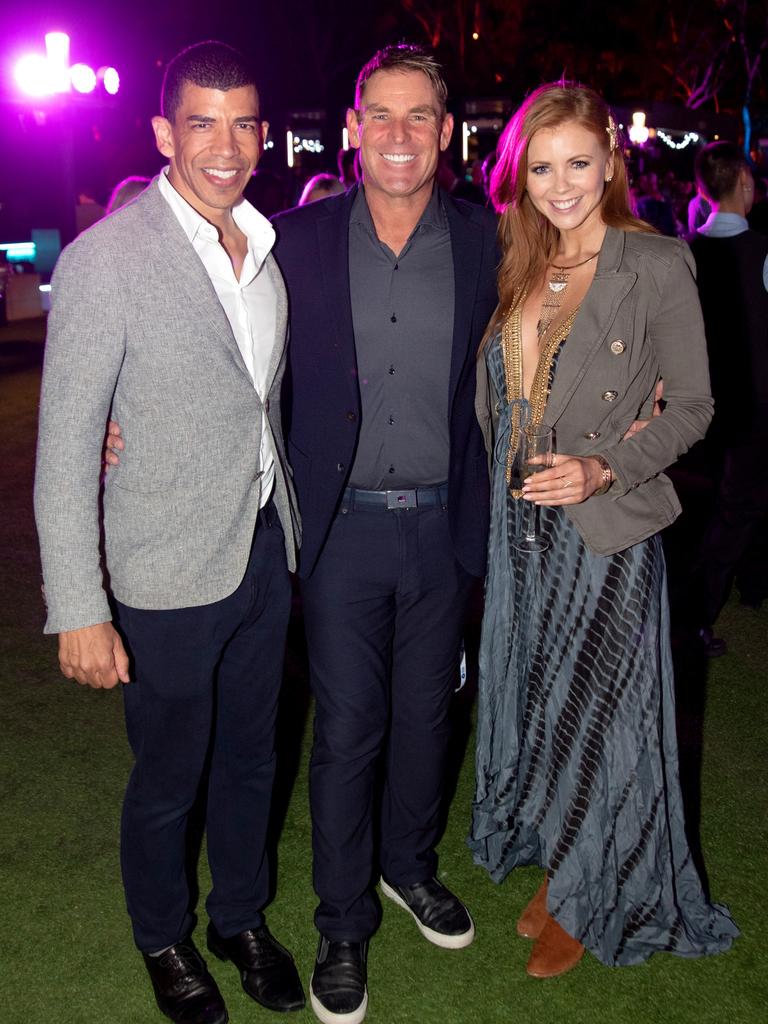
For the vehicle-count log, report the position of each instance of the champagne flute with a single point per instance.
(534, 454)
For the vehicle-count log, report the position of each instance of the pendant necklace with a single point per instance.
(553, 297)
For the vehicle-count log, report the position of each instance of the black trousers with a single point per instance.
(740, 508)
(383, 611)
(205, 679)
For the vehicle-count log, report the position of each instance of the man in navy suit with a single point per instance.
(390, 288)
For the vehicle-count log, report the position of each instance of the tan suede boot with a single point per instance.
(534, 917)
(555, 952)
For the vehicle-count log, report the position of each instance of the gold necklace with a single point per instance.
(512, 355)
(553, 297)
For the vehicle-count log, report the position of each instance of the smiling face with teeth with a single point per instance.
(213, 143)
(400, 130)
(568, 167)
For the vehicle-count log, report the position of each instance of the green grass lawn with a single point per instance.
(65, 940)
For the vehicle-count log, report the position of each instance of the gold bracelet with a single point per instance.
(607, 475)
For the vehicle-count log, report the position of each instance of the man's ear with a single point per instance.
(353, 128)
(446, 131)
(745, 178)
(163, 130)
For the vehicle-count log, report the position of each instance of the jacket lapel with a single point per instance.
(466, 247)
(333, 260)
(591, 326)
(188, 278)
(281, 320)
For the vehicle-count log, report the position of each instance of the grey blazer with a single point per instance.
(136, 329)
(640, 320)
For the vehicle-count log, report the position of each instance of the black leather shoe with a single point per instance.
(440, 916)
(267, 970)
(337, 988)
(184, 989)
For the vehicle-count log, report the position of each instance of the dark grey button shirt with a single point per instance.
(402, 311)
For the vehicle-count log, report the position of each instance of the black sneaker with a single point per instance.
(184, 989)
(337, 988)
(440, 916)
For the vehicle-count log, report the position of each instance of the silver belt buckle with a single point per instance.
(401, 499)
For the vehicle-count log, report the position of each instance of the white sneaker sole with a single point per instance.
(436, 938)
(323, 1014)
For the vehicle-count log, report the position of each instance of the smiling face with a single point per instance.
(567, 171)
(213, 143)
(400, 130)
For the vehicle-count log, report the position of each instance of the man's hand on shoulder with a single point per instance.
(94, 656)
(113, 444)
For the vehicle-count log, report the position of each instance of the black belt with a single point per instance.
(415, 497)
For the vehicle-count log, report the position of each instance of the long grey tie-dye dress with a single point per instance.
(576, 747)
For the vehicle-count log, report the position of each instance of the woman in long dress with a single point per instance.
(577, 757)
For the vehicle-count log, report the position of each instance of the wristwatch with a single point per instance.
(607, 475)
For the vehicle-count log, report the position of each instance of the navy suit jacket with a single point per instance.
(321, 394)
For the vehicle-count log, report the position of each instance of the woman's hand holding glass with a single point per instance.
(570, 480)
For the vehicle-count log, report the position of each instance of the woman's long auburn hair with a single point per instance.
(528, 241)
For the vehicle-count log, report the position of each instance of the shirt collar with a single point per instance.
(733, 223)
(256, 228)
(434, 213)
(433, 216)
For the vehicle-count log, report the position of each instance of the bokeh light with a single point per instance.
(83, 78)
(57, 51)
(33, 75)
(110, 79)
(639, 131)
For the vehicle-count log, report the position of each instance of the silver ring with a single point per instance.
(567, 483)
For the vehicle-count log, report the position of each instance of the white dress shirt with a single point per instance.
(249, 303)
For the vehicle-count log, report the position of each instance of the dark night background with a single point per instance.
(640, 53)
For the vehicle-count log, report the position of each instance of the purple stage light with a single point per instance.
(83, 78)
(57, 51)
(41, 76)
(33, 75)
(110, 80)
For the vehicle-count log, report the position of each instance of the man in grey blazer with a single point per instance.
(172, 313)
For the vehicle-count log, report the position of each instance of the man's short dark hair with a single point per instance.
(210, 65)
(403, 57)
(717, 169)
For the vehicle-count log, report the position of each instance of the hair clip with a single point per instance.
(612, 132)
